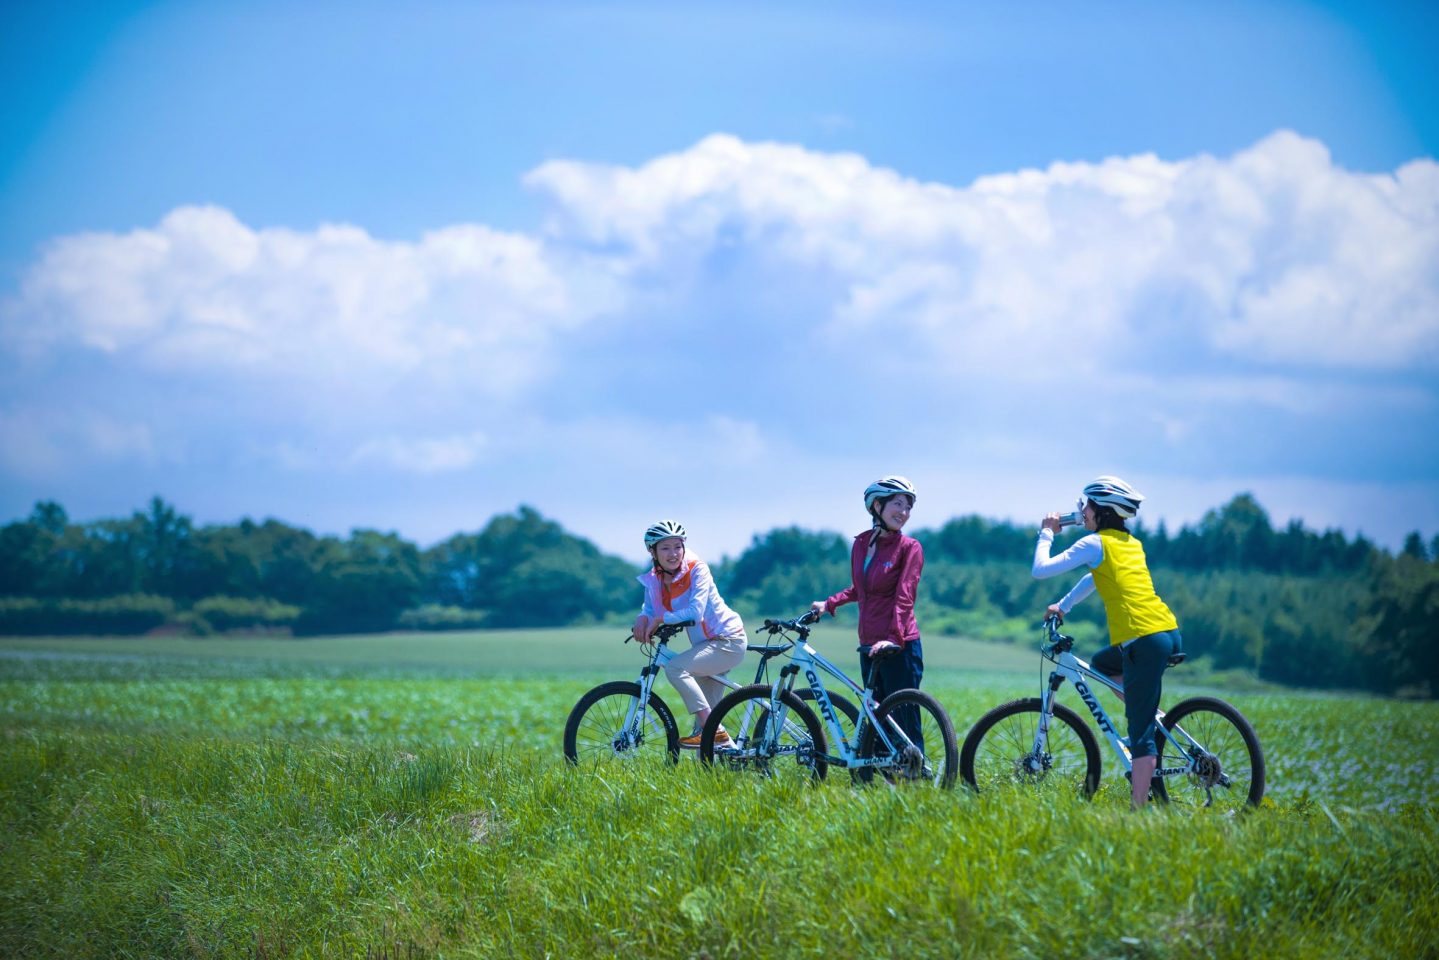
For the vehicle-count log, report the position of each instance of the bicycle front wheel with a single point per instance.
(931, 755)
(792, 749)
(597, 732)
(1000, 750)
(1215, 758)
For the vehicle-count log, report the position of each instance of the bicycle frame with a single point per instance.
(1070, 667)
(805, 659)
(662, 656)
(1076, 670)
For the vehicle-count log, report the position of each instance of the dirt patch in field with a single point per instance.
(480, 826)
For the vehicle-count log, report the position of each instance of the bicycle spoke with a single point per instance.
(999, 751)
(607, 726)
(1217, 755)
(787, 747)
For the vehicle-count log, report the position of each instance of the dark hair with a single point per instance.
(880, 503)
(1106, 518)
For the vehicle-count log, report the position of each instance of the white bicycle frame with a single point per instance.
(638, 710)
(805, 659)
(1076, 670)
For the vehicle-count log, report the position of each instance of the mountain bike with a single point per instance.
(1208, 753)
(908, 738)
(624, 720)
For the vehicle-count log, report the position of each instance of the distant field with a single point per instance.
(484, 652)
(404, 796)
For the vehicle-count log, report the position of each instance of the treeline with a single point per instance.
(156, 570)
(1290, 604)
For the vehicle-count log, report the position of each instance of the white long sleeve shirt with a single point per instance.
(1087, 551)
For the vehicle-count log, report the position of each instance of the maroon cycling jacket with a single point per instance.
(886, 591)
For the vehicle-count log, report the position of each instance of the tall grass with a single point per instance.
(418, 815)
(146, 845)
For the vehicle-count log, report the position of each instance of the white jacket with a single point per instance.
(691, 596)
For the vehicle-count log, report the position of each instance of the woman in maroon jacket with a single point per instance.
(885, 567)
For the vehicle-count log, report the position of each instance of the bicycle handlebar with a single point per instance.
(666, 630)
(1054, 641)
(796, 623)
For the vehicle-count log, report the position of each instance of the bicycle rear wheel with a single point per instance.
(595, 731)
(999, 751)
(793, 749)
(932, 754)
(1225, 771)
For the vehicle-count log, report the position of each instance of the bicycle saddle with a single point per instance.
(1176, 659)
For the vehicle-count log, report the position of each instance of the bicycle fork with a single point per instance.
(633, 731)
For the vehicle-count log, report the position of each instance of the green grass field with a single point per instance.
(405, 796)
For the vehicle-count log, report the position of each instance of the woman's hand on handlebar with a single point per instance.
(644, 627)
(1053, 611)
(817, 608)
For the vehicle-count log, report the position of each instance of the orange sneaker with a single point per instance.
(692, 742)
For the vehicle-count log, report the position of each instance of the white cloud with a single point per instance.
(46, 442)
(1281, 256)
(422, 454)
(1275, 254)
(203, 293)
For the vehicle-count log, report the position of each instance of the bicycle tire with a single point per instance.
(1232, 752)
(593, 734)
(744, 714)
(997, 752)
(938, 768)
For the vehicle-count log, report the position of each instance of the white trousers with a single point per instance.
(693, 671)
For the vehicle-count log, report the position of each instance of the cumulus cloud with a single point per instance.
(202, 292)
(1273, 255)
(43, 443)
(422, 454)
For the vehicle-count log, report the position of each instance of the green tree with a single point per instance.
(363, 584)
(1401, 628)
(1414, 546)
(525, 570)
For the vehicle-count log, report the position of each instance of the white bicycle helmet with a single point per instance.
(887, 487)
(663, 531)
(1114, 493)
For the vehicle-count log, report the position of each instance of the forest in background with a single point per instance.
(1288, 604)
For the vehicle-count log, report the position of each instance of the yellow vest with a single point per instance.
(1123, 581)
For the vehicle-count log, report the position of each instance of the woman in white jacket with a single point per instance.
(679, 587)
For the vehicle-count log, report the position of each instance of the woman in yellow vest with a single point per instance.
(1143, 633)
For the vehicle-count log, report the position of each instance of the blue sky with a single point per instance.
(406, 266)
